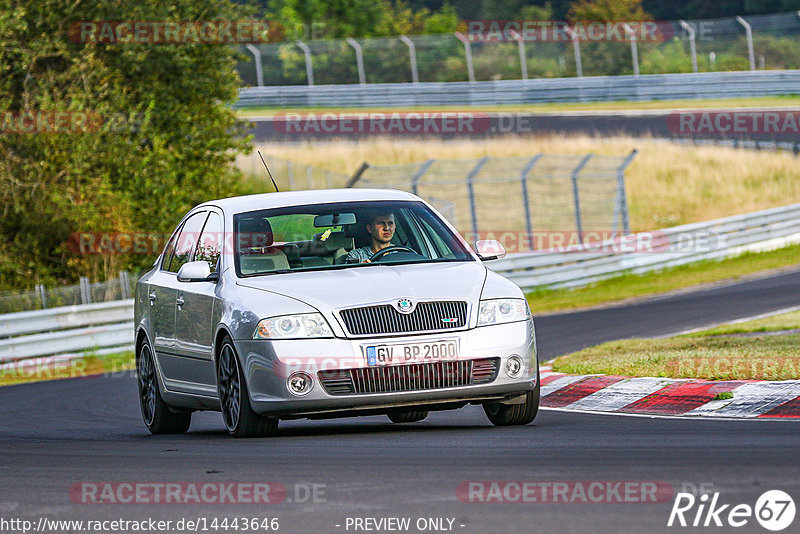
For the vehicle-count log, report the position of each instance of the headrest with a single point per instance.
(335, 241)
(255, 232)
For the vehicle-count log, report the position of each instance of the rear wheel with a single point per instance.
(234, 399)
(157, 415)
(407, 416)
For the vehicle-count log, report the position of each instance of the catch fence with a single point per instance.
(758, 42)
(565, 195)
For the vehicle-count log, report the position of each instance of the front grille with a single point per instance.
(385, 319)
(414, 377)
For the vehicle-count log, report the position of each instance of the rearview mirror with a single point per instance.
(334, 219)
(489, 249)
(196, 271)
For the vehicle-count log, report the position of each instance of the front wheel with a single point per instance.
(240, 419)
(407, 416)
(158, 417)
(514, 414)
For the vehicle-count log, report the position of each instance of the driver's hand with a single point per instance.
(367, 261)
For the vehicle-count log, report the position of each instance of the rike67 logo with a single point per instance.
(774, 510)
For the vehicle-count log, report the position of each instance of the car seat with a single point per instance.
(256, 253)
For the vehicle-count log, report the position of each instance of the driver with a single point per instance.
(381, 229)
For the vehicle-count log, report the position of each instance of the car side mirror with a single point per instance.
(196, 271)
(489, 249)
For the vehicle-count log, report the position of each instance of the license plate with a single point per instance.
(400, 353)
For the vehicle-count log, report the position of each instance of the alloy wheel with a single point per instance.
(229, 387)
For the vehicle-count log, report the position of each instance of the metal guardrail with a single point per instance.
(67, 329)
(535, 91)
(86, 292)
(720, 238)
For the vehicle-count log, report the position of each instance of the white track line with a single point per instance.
(737, 321)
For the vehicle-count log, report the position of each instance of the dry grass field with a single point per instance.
(667, 183)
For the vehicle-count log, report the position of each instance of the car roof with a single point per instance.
(299, 198)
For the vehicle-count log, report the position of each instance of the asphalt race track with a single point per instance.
(59, 434)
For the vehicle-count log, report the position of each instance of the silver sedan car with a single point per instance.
(335, 303)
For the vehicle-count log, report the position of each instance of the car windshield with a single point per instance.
(342, 235)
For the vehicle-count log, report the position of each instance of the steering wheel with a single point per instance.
(391, 250)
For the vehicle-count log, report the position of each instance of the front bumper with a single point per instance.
(268, 363)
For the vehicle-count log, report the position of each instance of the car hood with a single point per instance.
(356, 286)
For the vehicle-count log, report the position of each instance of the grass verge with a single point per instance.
(704, 355)
(89, 365)
(629, 286)
(627, 105)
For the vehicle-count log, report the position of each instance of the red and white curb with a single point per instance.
(670, 396)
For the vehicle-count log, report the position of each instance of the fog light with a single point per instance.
(514, 366)
(299, 383)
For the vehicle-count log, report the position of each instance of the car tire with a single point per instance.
(237, 413)
(407, 416)
(500, 414)
(158, 416)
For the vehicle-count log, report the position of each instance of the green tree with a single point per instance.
(164, 141)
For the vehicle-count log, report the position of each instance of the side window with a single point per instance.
(187, 239)
(210, 245)
(169, 250)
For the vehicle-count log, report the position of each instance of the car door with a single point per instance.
(163, 299)
(194, 316)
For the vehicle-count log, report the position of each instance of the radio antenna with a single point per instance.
(270, 174)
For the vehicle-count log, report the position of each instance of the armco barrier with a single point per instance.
(66, 329)
(534, 91)
(678, 245)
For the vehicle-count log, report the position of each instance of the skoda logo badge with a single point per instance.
(405, 305)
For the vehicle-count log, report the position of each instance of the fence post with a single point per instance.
(328, 183)
(356, 175)
(692, 47)
(621, 204)
(42, 294)
(523, 60)
(576, 196)
(310, 177)
(362, 79)
(526, 202)
(415, 178)
(412, 54)
(749, 32)
(468, 54)
(634, 49)
(257, 59)
(290, 172)
(471, 190)
(309, 67)
(124, 285)
(576, 50)
(86, 293)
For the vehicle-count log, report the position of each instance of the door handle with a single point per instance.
(179, 301)
(152, 296)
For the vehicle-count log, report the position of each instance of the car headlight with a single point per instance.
(498, 311)
(300, 326)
